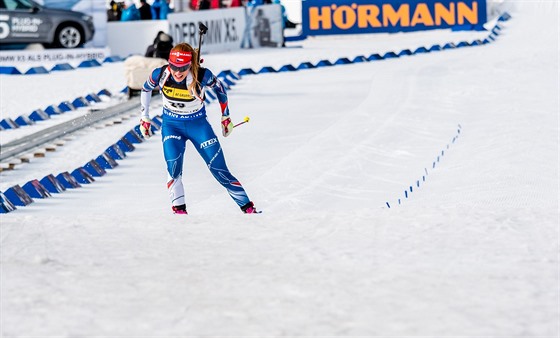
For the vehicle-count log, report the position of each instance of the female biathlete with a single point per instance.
(181, 84)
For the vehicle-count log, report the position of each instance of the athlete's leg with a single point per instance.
(174, 143)
(206, 143)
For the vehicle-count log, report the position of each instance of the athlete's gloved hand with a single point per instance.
(227, 126)
(146, 127)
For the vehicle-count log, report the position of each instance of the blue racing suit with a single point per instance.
(184, 118)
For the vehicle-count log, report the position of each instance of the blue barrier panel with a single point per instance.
(375, 57)
(208, 99)
(24, 121)
(106, 162)
(67, 180)
(342, 61)
(82, 176)
(137, 132)
(211, 94)
(52, 184)
(18, 196)
(104, 92)
(53, 110)
(9, 71)
(37, 70)
(227, 81)
(305, 65)
(35, 189)
(113, 58)
(247, 71)
(293, 38)
(460, 28)
(133, 137)
(39, 115)
(463, 44)
(92, 97)
(287, 68)
(504, 17)
(390, 55)
(8, 123)
(156, 120)
(94, 169)
(89, 64)
(323, 63)
(62, 67)
(224, 73)
(229, 73)
(420, 50)
(405, 52)
(267, 69)
(359, 58)
(115, 152)
(234, 75)
(80, 102)
(449, 45)
(125, 145)
(155, 127)
(5, 204)
(66, 106)
(435, 48)
(477, 43)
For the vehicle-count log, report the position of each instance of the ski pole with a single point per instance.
(201, 31)
(245, 120)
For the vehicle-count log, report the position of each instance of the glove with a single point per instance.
(227, 126)
(146, 127)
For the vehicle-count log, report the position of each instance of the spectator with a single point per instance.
(114, 13)
(145, 10)
(130, 12)
(286, 23)
(203, 4)
(163, 43)
(160, 9)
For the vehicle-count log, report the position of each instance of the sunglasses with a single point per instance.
(179, 69)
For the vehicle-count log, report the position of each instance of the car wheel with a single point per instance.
(68, 37)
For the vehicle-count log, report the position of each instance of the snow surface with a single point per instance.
(472, 252)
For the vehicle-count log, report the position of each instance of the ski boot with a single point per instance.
(179, 209)
(249, 208)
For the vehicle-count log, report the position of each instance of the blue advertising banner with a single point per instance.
(327, 17)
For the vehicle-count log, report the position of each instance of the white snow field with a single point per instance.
(472, 251)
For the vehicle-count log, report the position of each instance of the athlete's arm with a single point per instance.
(146, 93)
(210, 80)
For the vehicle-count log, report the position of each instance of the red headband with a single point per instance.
(179, 58)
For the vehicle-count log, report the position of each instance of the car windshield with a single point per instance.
(16, 4)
